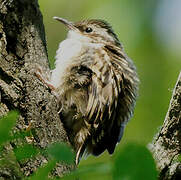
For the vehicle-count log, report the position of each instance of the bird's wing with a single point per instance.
(104, 102)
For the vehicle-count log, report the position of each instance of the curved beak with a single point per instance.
(68, 24)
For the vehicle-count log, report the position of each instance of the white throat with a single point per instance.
(68, 49)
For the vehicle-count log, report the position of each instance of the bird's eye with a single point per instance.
(88, 30)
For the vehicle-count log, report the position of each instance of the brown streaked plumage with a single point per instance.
(96, 84)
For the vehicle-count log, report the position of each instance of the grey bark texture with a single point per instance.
(166, 146)
(22, 49)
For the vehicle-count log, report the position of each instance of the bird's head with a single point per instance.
(93, 30)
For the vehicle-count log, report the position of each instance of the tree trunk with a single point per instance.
(166, 146)
(22, 49)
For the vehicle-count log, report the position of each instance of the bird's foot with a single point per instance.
(43, 78)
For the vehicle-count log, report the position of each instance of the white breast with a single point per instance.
(68, 49)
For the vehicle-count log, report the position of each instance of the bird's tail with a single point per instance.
(80, 153)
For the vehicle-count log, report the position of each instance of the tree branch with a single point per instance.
(166, 146)
(22, 48)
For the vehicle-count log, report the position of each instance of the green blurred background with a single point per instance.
(150, 31)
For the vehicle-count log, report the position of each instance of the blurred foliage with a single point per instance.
(6, 124)
(126, 165)
(25, 152)
(42, 172)
(158, 67)
(134, 162)
(66, 154)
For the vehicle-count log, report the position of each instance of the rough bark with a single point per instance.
(166, 146)
(22, 49)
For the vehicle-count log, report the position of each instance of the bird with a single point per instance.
(96, 85)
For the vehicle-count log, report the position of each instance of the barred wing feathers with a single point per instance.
(108, 107)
